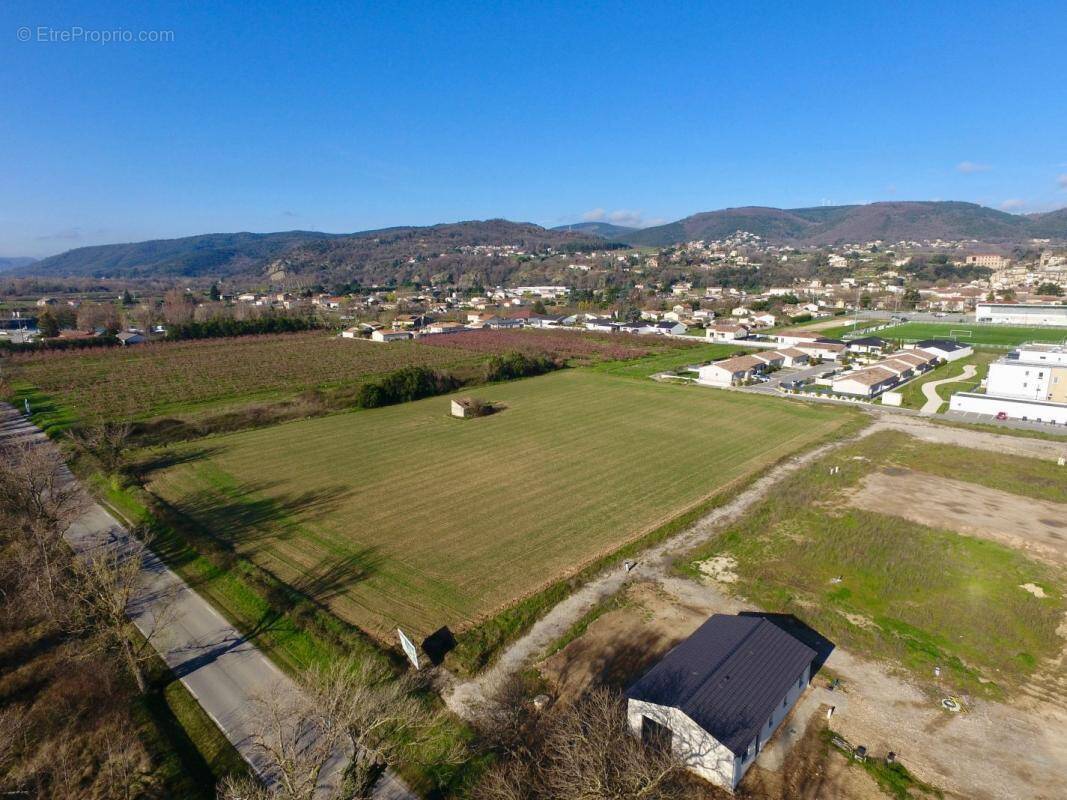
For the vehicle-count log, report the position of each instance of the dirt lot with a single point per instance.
(622, 644)
(992, 751)
(1036, 526)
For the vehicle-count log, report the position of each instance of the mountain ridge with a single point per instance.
(400, 253)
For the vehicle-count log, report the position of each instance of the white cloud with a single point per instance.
(1013, 204)
(1062, 181)
(622, 216)
(970, 167)
(66, 235)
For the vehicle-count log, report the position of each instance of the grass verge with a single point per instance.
(894, 779)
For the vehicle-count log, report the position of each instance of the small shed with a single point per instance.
(463, 407)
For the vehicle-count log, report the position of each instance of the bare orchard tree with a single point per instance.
(351, 709)
(107, 586)
(38, 502)
(586, 750)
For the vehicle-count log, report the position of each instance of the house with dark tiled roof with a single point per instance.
(717, 698)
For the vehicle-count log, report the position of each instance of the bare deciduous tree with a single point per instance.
(107, 586)
(38, 502)
(586, 750)
(349, 708)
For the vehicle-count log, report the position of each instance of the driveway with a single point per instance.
(219, 666)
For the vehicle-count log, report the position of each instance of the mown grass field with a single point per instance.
(887, 587)
(405, 515)
(991, 335)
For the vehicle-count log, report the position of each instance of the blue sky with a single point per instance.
(263, 116)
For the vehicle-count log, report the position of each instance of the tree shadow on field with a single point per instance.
(165, 459)
(246, 515)
(334, 575)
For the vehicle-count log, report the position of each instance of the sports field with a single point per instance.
(994, 335)
(405, 515)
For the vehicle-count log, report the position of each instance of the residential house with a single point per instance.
(827, 349)
(716, 699)
(946, 349)
(868, 345)
(866, 382)
(730, 371)
(391, 335)
(794, 357)
(726, 331)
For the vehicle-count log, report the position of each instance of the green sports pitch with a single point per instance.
(976, 334)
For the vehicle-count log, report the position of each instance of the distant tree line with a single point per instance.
(224, 327)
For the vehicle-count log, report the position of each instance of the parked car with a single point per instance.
(1002, 415)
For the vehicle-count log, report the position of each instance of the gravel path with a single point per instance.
(933, 399)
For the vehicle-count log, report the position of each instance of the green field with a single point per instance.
(886, 586)
(990, 335)
(405, 515)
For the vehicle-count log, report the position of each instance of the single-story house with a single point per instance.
(869, 345)
(827, 349)
(390, 335)
(438, 328)
(796, 338)
(730, 371)
(898, 366)
(717, 698)
(794, 357)
(355, 332)
(865, 382)
(130, 337)
(726, 331)
(946, 349)
(763, 318)
(504, 322)
(603, 325)
(772, 358)
(540, 321)
(667, 326)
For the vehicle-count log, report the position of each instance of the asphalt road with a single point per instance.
(219, 666)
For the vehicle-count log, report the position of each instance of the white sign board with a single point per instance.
(409, 648)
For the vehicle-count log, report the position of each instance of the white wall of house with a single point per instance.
(1014, 408)
(847, 385)
(713, 375)
(698, 750)
(701, 752)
